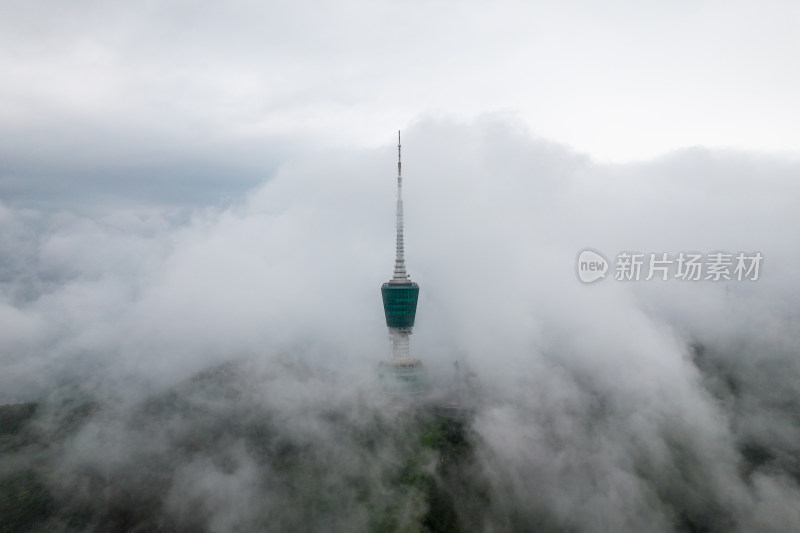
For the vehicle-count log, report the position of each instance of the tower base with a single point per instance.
(402, 376)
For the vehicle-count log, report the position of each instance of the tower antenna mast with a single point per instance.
(400, 274)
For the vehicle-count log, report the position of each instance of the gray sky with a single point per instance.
(181, 101)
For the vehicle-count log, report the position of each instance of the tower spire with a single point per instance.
(400, 274)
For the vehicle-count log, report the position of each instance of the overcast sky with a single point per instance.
(192, 101)
(187, 183)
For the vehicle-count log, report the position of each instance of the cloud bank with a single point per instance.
(659, 406)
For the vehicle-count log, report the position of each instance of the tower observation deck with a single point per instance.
(400, 297)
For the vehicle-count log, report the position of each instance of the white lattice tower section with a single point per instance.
(400, 274)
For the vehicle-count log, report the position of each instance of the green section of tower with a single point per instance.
(400, 304)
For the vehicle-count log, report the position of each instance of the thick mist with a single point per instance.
(214, 368)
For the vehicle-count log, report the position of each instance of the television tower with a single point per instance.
(400, 296)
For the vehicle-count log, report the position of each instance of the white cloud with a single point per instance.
(591, 391)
